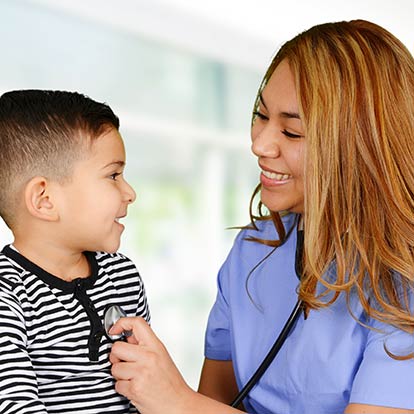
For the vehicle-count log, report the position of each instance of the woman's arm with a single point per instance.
(147, 376)
(218, 381)
(374, 409)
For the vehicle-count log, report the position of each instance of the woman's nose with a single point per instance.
(266, 144)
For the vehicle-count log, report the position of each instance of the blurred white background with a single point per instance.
(182, 76)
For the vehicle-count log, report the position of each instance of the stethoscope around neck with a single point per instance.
(114, 312)
(284, 333)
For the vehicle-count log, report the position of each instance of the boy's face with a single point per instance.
(97, 196)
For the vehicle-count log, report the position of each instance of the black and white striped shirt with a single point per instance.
(54, 357)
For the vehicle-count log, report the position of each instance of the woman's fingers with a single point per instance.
(123, 351)
(124, 370)
(144, 371)
(139, 327)
(122, 387)
(141, 345)
(126, 389)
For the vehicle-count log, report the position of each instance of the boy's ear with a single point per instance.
(39, 199)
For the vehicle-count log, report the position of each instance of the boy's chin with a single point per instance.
(112, 249)
(109, 247)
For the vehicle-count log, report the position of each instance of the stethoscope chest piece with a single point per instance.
(111, 316)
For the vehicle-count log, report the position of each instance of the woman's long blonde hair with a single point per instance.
(355, 88)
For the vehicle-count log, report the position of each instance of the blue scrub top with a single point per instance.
(328, 360)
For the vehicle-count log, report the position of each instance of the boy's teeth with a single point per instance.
(274, 176)
(117, 220)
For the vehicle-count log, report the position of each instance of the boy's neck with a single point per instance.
(60, 262)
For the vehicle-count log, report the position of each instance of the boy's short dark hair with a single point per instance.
(44, 132)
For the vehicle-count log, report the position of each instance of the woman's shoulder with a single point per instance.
(265, 229)
(253, 242)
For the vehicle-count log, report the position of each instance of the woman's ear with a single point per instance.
(38, 197)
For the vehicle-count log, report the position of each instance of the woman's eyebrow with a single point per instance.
(262, 100)
(284, 114)
(289, 114)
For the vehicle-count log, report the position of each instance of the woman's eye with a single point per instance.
(290, 135)
(257, 114)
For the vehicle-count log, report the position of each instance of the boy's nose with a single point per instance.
(130, 194)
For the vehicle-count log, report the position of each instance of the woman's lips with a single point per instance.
(273, 178)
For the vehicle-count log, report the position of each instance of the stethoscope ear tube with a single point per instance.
(297, 310)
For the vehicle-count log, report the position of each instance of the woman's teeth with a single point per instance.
(275, 176)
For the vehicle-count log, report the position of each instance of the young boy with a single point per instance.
(62, 194)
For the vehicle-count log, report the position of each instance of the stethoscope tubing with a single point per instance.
(284, 333)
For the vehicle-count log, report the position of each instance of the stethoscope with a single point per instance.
(284, 333)
(114, 312)
(111, 316)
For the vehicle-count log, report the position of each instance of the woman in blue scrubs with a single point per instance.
(333, 132)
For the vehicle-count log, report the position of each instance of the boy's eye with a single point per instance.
(290, 135)
(260, 115)
(114, 175)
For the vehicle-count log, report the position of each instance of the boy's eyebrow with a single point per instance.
(117, 163)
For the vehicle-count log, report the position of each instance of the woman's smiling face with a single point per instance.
(278, 143)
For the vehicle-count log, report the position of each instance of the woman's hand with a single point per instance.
(145, 372)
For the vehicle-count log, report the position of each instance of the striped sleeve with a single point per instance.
(18, 383)
(127, 279)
